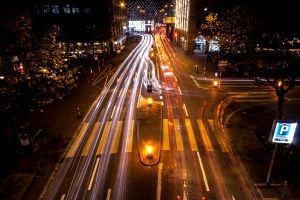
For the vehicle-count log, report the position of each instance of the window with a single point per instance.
(75, 10)
(67, 9)
(46, 9)
(86, 9)
(36, 10)
(55, 9)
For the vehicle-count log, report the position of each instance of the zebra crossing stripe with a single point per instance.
(218, 137)
(166, 144)
(77, 140)
(103, 138)
(204, 136)
(130, 137)
(191, 135)
(116, 141)
(179, 143)
(88, 145)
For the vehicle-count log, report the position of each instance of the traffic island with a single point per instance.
(149, 129)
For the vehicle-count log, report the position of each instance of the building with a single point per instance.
(190, 14)
(97, 23)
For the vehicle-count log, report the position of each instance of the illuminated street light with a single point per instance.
(280, 84)
(149, 101)
(149, 151)
(215, 83)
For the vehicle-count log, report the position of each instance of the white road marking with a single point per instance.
(185, 110)
(63, 197)
(93, 175)
(112, 114)
(203, 172)
(108, 194)
(158, 193)
(179, 91)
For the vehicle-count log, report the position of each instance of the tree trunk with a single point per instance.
(280, 93)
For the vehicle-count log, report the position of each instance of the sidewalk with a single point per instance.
(58, 123)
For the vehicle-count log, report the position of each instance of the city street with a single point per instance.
(202, 155)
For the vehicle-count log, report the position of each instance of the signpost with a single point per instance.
(282, 132)
(222, 64)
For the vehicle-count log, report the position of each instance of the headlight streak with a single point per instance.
(97, 190)
(123, 166)
(55, 184)
(181, 158)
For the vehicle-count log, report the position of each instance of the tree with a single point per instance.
(48, 71)
(261, 40)
(33, 71)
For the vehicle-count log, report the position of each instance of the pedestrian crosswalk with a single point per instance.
(194, 131)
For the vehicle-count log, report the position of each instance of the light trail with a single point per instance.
(82, 164)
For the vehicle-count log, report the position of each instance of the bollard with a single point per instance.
(78, 113)
(284, 190)
(290, 155)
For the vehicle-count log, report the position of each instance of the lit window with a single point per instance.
(55, 9)
(67, 9)
(75, 10)
(86, 10)
(46, 9)
(36, 10)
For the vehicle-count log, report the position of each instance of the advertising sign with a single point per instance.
(282, 131)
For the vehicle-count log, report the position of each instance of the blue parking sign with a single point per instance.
(284, 132)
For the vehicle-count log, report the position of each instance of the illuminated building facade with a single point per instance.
(190, 14)
(144, 15)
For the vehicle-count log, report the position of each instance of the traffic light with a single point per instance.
(149, 88)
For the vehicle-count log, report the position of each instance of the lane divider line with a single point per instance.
(63, 197)
(158, 192)
(203, 172)
(93, 174)
(108, 194)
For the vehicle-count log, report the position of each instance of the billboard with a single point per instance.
(282, 132)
